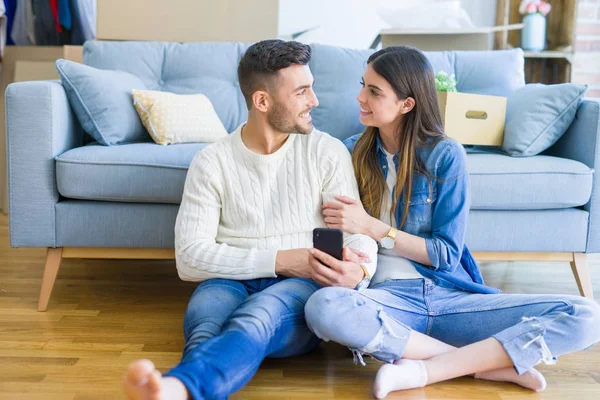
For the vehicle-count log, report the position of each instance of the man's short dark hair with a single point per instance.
(262, 60)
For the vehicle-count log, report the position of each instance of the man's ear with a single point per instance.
(408, 105)
(261, 100)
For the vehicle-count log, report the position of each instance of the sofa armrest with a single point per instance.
(39, 126)
(581, 142)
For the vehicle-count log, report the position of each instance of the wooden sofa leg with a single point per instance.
(53, 259)
(581, 272)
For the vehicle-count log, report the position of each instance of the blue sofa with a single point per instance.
(80, 199)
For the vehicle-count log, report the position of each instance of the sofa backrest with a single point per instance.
(188, 68)
(338, 71)
(211, 68)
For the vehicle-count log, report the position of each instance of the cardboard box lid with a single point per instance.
(450, 31)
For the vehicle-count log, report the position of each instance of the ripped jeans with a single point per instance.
(378, 321)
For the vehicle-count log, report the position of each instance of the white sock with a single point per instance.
(404, 374)
(532, 379)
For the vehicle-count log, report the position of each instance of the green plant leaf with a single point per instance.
(445, 82)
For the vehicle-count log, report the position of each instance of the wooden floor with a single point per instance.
(104, 314)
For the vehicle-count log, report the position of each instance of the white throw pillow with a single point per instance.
(178, 118)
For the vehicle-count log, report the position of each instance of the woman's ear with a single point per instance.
(407, 105)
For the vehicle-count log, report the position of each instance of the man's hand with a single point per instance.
(329, 271)
(293, 263)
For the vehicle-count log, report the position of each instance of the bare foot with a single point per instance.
(144, 382)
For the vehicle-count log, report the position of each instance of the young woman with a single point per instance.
(427, 312)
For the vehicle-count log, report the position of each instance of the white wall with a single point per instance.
(355, 23)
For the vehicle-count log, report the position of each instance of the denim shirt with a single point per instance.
(439, 213)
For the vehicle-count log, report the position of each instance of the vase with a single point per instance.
(533, 35)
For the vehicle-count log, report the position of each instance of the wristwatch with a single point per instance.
(365, 281)
(389, 240)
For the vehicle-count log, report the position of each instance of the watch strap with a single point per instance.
(366, 271)
(392, 233)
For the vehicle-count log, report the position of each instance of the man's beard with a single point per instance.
(281, 120)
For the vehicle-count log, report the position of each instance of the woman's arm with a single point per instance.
(442, 250)
(350, 216)
(408, 246)
(451, 211)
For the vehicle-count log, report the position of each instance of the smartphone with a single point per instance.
(330, 241)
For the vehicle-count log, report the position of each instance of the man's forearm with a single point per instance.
(282, 262)
(207, 260)
(292, 263)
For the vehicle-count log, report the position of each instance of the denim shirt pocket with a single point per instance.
(420, 211)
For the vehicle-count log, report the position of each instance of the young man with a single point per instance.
(244, 228)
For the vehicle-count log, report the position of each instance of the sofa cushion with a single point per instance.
(538, 115)
(181, 68)
(102, 102)
(136, 172)
(150, 173)
(338, 71)
(501, 182)
(178, 118)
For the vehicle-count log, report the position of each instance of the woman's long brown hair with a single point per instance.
(410, 74)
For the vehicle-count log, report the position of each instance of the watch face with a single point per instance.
(387, 243)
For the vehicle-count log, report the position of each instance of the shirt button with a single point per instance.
(429, 200)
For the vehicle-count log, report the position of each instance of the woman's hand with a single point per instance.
(348, 215)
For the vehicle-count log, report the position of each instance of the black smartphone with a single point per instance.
(330, 241)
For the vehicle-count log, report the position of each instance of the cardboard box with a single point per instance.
(73, 53)
(444, 38)
(473, 118)
(35, 71)
(187, 20)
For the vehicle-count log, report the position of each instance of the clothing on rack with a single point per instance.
(45, 27)
(3, 23)
(64, 14)
(22, 32)
(50, 22)
(84, 20)
(10, 8)
(54, 9)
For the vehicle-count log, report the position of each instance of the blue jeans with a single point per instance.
(231, 326)
(378, 321)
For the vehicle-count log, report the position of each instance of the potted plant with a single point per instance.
(445, 82)
(533, 35)
(471, 119)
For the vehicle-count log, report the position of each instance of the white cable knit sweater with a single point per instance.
(239, 207)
